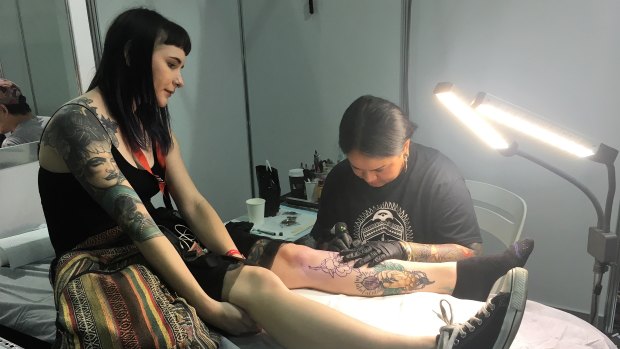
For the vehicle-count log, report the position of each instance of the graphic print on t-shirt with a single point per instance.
(383, 222)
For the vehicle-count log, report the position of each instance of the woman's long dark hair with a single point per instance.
(125, 75)
(375, 127)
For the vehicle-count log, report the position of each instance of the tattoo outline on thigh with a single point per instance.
(334, 266)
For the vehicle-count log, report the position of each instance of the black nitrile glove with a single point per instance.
(341, 239)
(374, 252)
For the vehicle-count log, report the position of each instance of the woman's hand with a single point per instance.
(232, 319)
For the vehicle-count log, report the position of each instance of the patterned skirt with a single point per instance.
(106, 297)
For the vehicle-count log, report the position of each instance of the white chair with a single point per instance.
(501, 215)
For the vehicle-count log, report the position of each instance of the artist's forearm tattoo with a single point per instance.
(85, 145)
(334, 266)
(442, 253)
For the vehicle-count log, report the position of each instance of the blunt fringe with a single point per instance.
(375, 127)
(125, 76)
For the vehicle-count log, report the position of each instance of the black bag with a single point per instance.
(169, 220)
(269, 188)
(180, 235)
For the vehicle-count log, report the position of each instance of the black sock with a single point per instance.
(475, 276)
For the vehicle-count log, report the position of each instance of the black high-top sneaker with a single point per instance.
(495, 325)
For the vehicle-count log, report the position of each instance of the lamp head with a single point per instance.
(521, 120)
(604, 154)
(446, 93)
(512, 149)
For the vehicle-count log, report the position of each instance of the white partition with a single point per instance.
(20, 203)
(305, 70)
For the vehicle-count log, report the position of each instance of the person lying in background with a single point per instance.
(16, 119)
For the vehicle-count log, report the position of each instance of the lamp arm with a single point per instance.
(607, 155)
(611, 190)
(513, 150)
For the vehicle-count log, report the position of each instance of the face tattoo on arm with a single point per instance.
(85, 147)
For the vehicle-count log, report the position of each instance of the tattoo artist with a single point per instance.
(393, 198)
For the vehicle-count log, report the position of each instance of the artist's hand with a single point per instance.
(374, 252)
(233, 320)
(340, 238)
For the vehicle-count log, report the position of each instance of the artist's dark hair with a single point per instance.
(20, 108)
(125, 76)
(375, 127)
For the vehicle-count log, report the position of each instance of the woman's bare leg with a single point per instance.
(303, 267)
(300, 266)
(298, 323)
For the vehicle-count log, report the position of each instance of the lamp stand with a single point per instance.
(602, 244)
(612, 292)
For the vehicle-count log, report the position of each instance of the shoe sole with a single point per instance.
(515, 283)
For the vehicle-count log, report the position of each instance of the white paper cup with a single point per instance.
(310, 191)
(256, 210)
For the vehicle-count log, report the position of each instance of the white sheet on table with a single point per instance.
(27, 305)
(550, 328)
(413, 314)
(27, 301)
(25, 248)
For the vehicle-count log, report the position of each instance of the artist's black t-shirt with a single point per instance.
(428, 203)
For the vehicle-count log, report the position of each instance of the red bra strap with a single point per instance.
(161, 159)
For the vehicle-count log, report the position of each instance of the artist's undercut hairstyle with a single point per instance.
(375, 127)
(125, 76)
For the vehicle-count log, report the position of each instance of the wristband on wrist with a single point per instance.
(234, 252)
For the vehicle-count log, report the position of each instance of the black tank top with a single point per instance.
(72, 215)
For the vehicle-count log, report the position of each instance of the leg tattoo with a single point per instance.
(333, 265)
(381, 280)
(388, 279)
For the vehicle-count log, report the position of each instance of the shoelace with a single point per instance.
(444, 316)
(485, 312)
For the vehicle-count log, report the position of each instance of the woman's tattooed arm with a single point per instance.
(86, 147)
